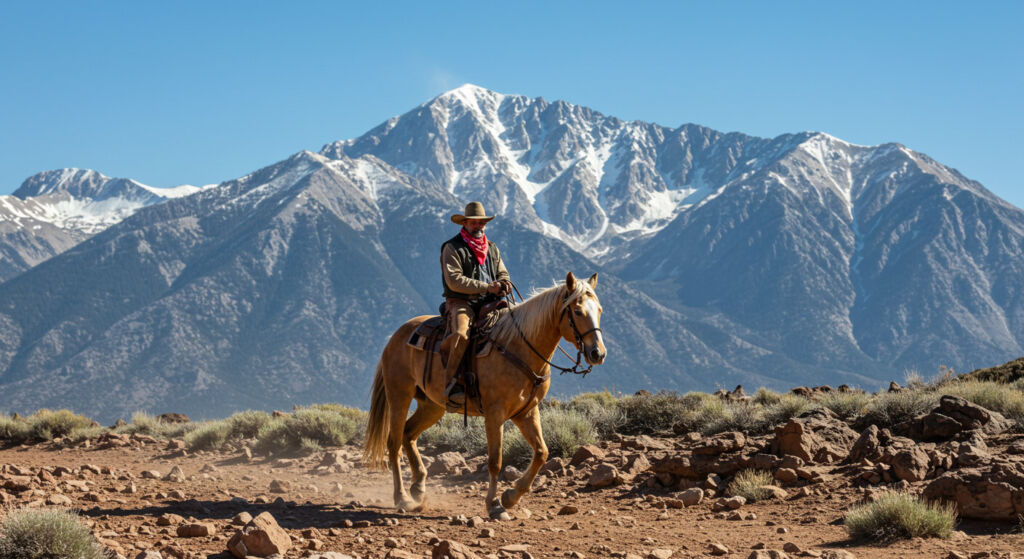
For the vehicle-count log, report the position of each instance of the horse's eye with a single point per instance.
(578, 312)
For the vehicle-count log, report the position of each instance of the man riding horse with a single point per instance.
(473, 275)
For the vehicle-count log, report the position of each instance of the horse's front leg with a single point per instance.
(427, 414)
(529, 425)
(494, 420)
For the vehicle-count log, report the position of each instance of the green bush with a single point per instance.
(448, 435)
(564, 432)
(787, 407)
(46, 425)
(143, 423)
(889, 408)
(848, 406)
(601, 409)
(209, 435)
(246, 424)
(751, 485)
(297, 432)
(47, 534)
(650, 414)
(900, 515)
(765, 397)
(13, 430)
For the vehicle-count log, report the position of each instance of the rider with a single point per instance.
(473, 275)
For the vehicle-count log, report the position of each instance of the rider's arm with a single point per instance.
(500, 265)
(454, 277)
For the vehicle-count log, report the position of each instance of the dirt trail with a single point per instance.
(611, 522)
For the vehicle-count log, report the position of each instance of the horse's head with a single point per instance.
(580, 322)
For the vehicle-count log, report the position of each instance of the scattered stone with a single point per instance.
(734, 503)
(568, 509)
(722, 442)
(150, 474)
(768, 554)
(196, 530)
(261, 537)
(816, 436)
(659, 553)
(149, 554)
(716, 548)
(787, 475)
(448, 549)
(692, 496)
(585, 453)
(790, 547)
(176, 475)
(280, 486)
(169, 519)
(56, 500)
(486, 533)
(447, 463)
(992, 492)
(837, 554)
(605, 475)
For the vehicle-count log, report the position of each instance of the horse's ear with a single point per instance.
(570, 282)
(593, 281)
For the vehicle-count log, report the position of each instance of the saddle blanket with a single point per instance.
(431, 331)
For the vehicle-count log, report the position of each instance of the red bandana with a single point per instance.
(479, 246)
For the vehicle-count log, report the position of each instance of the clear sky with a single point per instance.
(172, 93)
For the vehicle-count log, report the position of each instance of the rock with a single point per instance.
(637, 463)
(149, 554)
(660, 553)
(261, 537)
(150, 474)
(169, 519)
(723, 442)
(775, 492)
(173, 418)
(56, 500)
(585, 453)
(196, 530)
(815, 436)
(867, 446)
(911, 464)
(241, 519)
(568, 509)
(692, 496)
(605, 475)
(734, 503)
(448, 549)
(280, 486)
(553, 467)
(447, 463)
(768, 554)
(992, 492)
(790, 547)
(837, 554)
(717, 549)
(331, 555)
(952, 416)
(786, 475)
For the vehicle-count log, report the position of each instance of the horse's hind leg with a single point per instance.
(494, 420)
(427, 414)
(399, 400)
(529, 426)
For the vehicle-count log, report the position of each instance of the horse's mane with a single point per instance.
(530, 314)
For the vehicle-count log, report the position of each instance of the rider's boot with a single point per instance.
(455, 393)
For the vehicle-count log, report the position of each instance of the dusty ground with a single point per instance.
(610, 521)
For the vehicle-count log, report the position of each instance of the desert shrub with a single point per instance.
(47, 533)
(889, 408)
(990, 395)
(46, 424)
(210, 435)
(787, 407)
(448, 434)
(750, 484)
(13, 430)
(657, 413)
(914, 380)
(143, 423)
(79, 434)
(900, 515)
(246, 424)
(848, 406)
(600, 409)
(564, 432)
(732, 416)
(765, 397)
(287, 434)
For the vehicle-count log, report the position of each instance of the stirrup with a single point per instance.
(455, 395)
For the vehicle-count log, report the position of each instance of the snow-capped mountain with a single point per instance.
(724, 259)
(55, 210)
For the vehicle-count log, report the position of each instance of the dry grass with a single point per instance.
(900, 515)
(750, 484)
(47, 534)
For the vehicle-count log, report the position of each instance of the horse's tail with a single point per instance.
(378, 426)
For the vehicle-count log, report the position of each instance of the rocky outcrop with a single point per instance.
(992, 492)
(953, 416)
(816, 436)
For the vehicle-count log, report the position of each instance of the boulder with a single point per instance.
(992, 492)
(447, 463)
(722, 442)
(605, 475)
(911, 464)
(261, 537)
(448, 549)
(196, 530)
(953, 416)
(815, 436)
(585, 453)
(692, 497)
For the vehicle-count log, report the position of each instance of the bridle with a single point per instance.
(577, 363)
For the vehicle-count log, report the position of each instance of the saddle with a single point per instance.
(429, 334)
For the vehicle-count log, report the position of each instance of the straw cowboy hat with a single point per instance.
(474, 210)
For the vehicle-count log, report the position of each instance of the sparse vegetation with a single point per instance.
(565, 430)
(1002, 398)
(146, 424)
(889, 408)
(449, 434)
(47, 533)
(658, 413)
(899, 515)
(305, 430)
(848, 406)
(752, 485)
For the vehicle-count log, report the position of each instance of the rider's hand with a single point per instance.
(506, 287)
(494, 287)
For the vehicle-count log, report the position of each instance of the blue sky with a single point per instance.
(188, 92)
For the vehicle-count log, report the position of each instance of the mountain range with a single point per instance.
(724, 259)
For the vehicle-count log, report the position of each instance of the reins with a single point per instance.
(577, 365)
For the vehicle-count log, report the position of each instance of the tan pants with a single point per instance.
(460, 315)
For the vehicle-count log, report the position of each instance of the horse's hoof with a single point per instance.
(506, 498)
(499, 513)
(406, 506)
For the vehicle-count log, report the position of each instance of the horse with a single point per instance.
(513, 378)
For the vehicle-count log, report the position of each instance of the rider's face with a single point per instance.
(475, 227)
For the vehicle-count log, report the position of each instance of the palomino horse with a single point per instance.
(513, 378)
